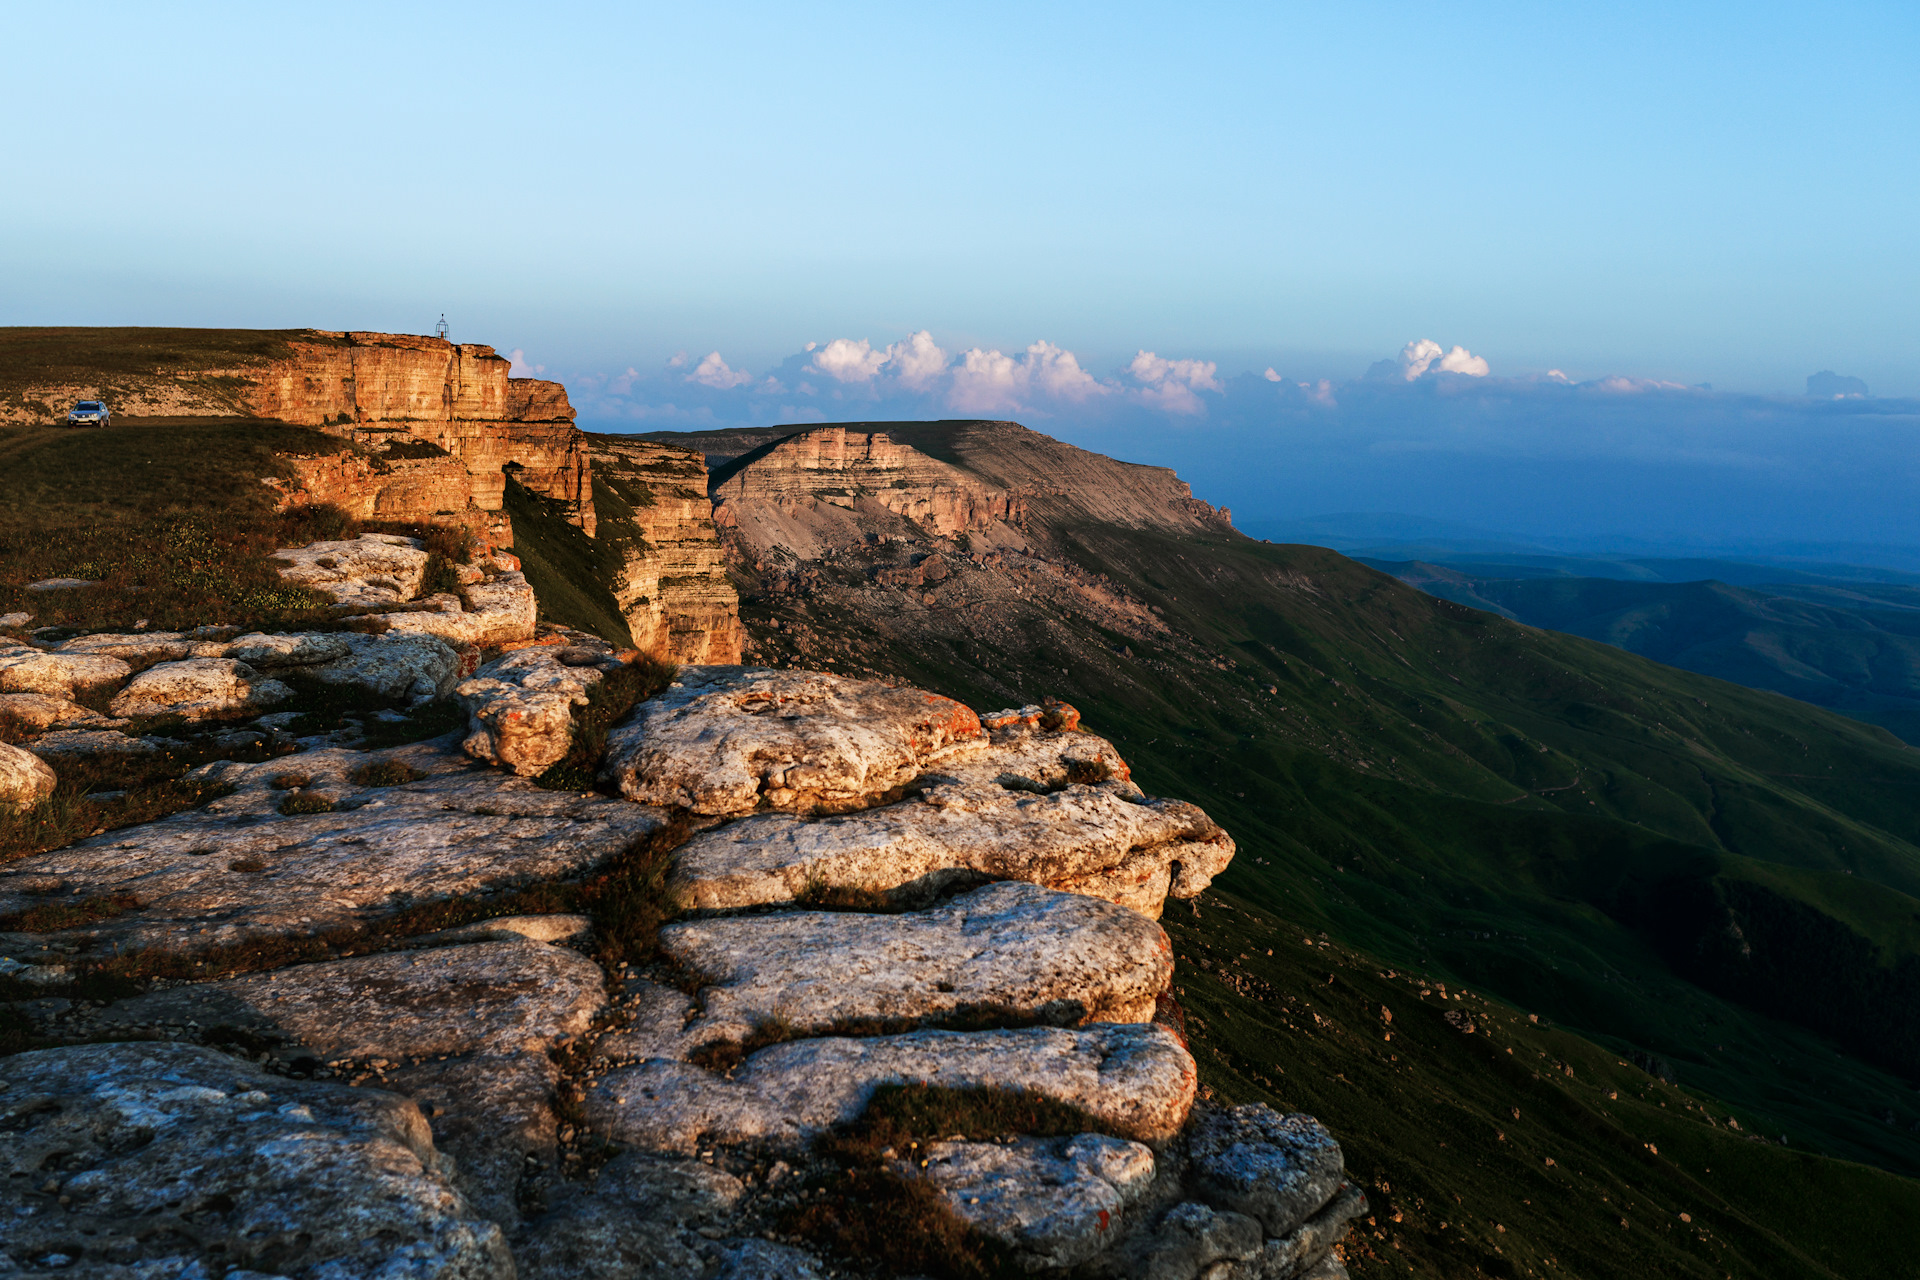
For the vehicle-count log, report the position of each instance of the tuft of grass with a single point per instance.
(385, 773)
(608, 703)
(306, 802)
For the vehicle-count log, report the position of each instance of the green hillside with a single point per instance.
(1852, 647)
(1719, 880)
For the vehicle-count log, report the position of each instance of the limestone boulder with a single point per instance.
(1136, 1081)
(499, 610)
(395, 665)
(299, 649)
(735, 740)
(520, 705)
(1092, 840)
(1190, 1241)
(240, 868)
(199, 689)
(1008, 951)
(59, 675)
(1279, 1170)
(25, 780)
(1055, 1201)
(149, 1159)
(38, 711)
(375, 568)
(142, 648)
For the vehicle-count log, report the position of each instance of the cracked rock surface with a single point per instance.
(199, 689)
(1083, 839)
(1009, 950)
(520, 705)
(174, 1160)
(239, 868)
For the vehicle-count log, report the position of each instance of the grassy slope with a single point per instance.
(569, 571)
(1855, 651)
(1448, 792)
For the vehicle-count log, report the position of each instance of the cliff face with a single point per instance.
(672, 586)
(376, 388)
(458, 397)
(792, 494)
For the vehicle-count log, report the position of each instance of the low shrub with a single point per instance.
(306, 802)
(385, 773)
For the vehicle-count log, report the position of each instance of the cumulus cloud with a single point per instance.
(845, 360)
(992, 381)
(518, 365)
(1171, 384)
(918, 362)
(1419, 358)
(713, 372)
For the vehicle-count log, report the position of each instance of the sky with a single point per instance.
(1712, 193)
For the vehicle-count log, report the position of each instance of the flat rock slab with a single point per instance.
(1135, 1080)
(58, 675)
(490, 998)
(1083, 839)
(37, 711)
(498, 610)
(735, 740)
(1006, 951)
(375, 568)
(1279, 1170)
(1058, 1201)
(174, 1160)
(238, 868)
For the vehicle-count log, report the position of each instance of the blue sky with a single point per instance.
(1708, 193)
(1723, 194)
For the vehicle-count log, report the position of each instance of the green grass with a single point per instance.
(569, 571)
(1427, 1122)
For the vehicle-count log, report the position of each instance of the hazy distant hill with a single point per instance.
(1851, 646)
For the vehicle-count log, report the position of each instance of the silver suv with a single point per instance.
(90, 413)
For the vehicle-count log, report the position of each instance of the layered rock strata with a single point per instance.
(781, 497)
(672, 585)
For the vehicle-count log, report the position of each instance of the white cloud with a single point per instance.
(1170, 384)
(1427, 356)
(992, 381)
(518, 366)
(1270, 375)
(678, 360)
(845, 360)
(917, 362)
(713, 372)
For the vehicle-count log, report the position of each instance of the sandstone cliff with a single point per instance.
(672, 586)
(394, 394)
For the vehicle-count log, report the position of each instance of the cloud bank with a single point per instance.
(1433, 431)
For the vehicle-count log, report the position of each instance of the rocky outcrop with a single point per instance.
(672, 586)
(1137, 1080)
(737, 1044)
(199, 689)
(375, 568)
(252, 865)
(1009, 951)
(457, 397)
